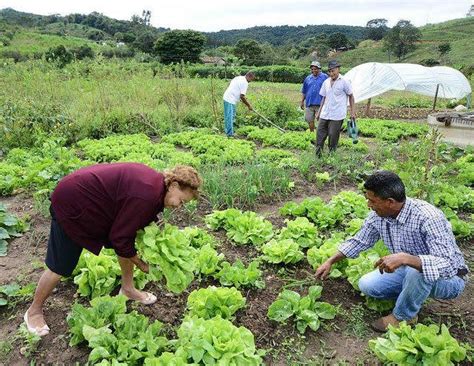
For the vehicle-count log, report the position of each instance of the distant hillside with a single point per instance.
(281, 35)
(459, 33)
(84, 26)
(79, 25)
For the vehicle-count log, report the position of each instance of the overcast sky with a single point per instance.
(208, 15)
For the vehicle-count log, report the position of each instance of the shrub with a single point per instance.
(59, 55)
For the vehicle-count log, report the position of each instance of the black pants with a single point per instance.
(331, 128)
(63, 253)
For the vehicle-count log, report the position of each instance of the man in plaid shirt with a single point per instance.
(425, 260)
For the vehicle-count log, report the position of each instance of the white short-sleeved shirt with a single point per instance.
(237, 86)
(335, 104)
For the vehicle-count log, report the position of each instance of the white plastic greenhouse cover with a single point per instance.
(373, 78)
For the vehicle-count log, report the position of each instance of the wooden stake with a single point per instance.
(436, 97)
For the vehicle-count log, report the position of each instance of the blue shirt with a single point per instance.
(420, 229)
(311, 87)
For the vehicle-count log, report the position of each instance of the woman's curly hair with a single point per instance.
(185, 176)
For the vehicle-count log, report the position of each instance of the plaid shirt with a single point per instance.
(420, 229)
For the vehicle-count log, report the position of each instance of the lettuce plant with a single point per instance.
(238, 275)
(170, 250)
(421, 345)
(282, 251)
(306, 310)
(216, 341)
(113, 334)
(249, 228)
(301, 231)
(208, 260)
(209, 302)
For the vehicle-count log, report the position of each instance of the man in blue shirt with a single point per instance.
(310, 93)
(425, 260)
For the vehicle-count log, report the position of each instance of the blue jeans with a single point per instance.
(409, 288)
(229, 116)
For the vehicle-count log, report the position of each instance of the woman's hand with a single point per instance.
(143, 266)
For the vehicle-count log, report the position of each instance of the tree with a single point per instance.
(146, 17)
(59, 55)
(337, 40)
(180, 45)
(376, 29)
(401, 39)
(95, 35)
(248, 50)
(83, 52)
(444, 48)
(145, 42)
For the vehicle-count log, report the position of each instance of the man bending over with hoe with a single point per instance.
(425, 260)
(234, 93)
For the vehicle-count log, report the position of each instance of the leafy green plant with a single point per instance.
(99, 275)
(214, 301)
(170, 250)
(390, 130)
(12, 293)
(249, 228)
(240, 276)
(301, 231)
(113, 334)
(212, 148)
(222, 219)
(166, 359)
(421, 345)
(306, 310)
(199, 237)
(278, 157)
(216, 341)
(30, 341)
(96, 275)
(322, 178)
(364, 263)
(318, 255)
(10, 227)
(346, 204)
(282, 251)
(208, 260)
(273, 137)
(242, 227)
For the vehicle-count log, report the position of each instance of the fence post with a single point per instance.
(436, 97)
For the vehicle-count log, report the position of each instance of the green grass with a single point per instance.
(244, 186)
(29, 43)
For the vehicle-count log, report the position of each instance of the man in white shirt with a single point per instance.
(335, 92)
(235, 92)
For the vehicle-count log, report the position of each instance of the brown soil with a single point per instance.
(333, 343)
(400, 113)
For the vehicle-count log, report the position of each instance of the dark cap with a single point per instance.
(333, 64)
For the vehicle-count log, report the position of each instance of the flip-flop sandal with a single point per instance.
(41, 331)
(150, 298)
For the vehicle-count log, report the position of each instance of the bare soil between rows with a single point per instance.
(336, 341)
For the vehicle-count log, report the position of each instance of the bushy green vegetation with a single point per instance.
(10, 227)
(307, 311)
(419, 345)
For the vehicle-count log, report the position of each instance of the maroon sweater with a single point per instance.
(105, 204)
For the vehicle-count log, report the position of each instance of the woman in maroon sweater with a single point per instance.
(103, 206)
